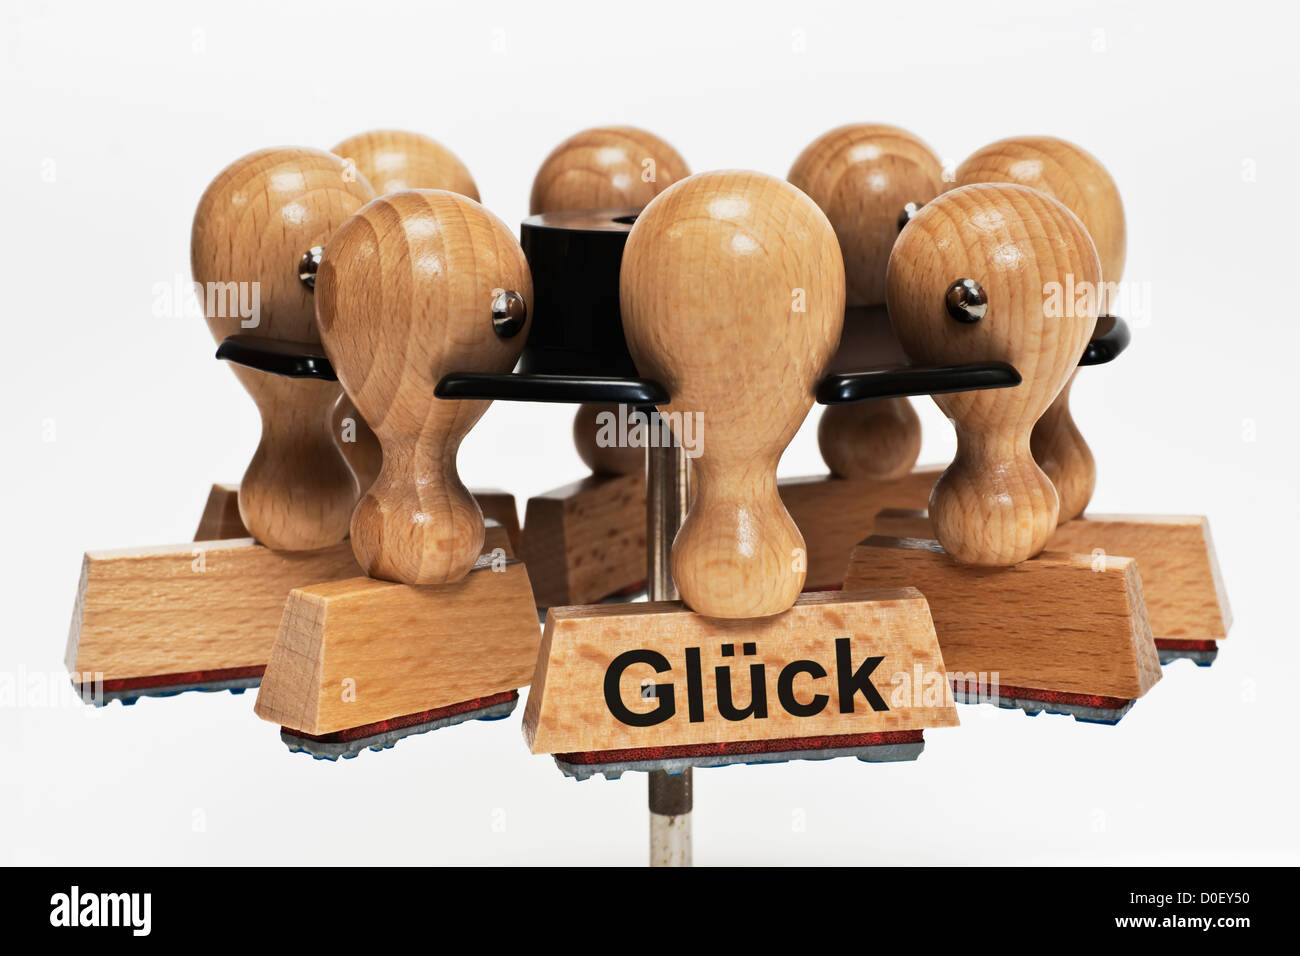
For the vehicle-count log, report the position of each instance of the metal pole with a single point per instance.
(667, 498)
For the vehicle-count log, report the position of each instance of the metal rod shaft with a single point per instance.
(667, 499)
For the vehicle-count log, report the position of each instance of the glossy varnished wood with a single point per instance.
(862, 175)
(395, 160)
(609, 167)
(994, 506)
(253, 224)
(1076, 178)
(404, 296)
(732, 295)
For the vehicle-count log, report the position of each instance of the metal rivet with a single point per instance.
(908, 214)
(508, 313)
(966, 300)
(308, 265)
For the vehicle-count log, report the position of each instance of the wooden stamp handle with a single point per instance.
(1079, 181)
(416, 285)
(252, 228)
(732, 294)
(863, 176)
(970, 279)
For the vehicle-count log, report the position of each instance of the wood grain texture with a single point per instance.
(862, 175)
(834, 514)
(357, 442)
(876, 441)
(567, 710)
(873, 440)
(210, 605)
(994, 506)
(1059, 622)
(253, 224)
(404, 295)
(220, 517)
(1175, 555)
(358, 651)
(732, 294)
(609, 167)
(1062, 452)
(587, 540)
(1075, 178)
(394, 160)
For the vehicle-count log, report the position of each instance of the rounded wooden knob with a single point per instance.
(877, 440)
(609, 167)
(1076, 178)
(732, 293)
(590, 430)
(252, 227)
(971, 280)
(863, 176)
(1067, 173)
(406, 294)
(394, 160)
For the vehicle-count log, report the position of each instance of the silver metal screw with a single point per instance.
(308, 265)
(509, 312)
(966, 300)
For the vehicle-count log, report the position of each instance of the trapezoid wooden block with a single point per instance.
(358, 652)
(586, 541)
(194, 616)
(220, 520)
(1181, 583)
(834, 514)
(632, 677)
(1057, 623)
(186, 615)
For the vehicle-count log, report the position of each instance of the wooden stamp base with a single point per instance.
(361, 663)
(1186, 601)
(658, 687)
(834, 514)
(586, 541)
(220, 520)
(156, 622)
(1066, 633)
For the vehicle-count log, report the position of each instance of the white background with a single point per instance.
(117, 117)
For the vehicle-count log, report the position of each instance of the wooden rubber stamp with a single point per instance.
(732, 293)
(415, 285)
(156, 621)
(1185, 597)
(866, 178)
(392, 161)
(1019, 627)
(586, 541)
